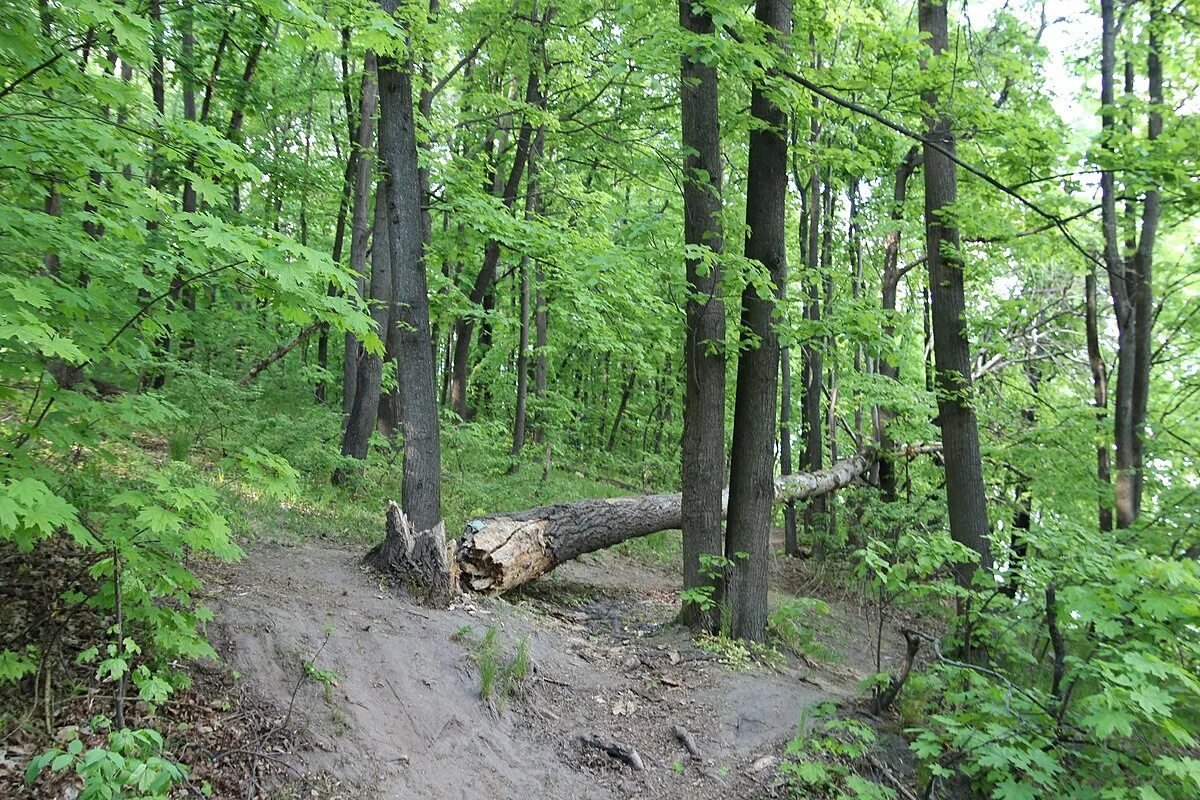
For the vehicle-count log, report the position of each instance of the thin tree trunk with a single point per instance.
(752, 467)
(966, 500)
(1119, 283)
(482, 287)
(518, 436)
(1100, 400)
(359, 216)
(539, 347)
(790, 544)
(890, 282)
(519, 416)
(856, 263)
(626, 392)
(360, 424)
(1143, 269)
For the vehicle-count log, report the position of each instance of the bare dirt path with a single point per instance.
(403, 717)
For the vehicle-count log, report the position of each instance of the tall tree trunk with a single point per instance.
(752, 467)
(539, 347)
(353, 155)
(360, 424)
(519, 413)
(790, 544)
(813, 365)
(519, 416)
(703, 445)
(1117, 275)
(819, 518)
(854, 249)
(966, 500)
(1143, 268)
(359, 229)
(1130, 278)
(421, 485)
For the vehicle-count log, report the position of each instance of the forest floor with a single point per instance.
(381, 697)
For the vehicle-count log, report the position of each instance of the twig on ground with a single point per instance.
(891, 777)
(626, 754)
(687, 740)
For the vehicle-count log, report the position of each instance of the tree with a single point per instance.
(966, 500)
(703, 443)
(421, 488)
(752, 466)
(1130, 275)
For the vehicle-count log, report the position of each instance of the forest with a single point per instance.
(505, 398)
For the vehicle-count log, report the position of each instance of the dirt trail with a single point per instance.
(405, 720)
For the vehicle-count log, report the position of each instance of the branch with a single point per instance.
(279, 353)
(88, 40)
(1054, 220)
(141, 312)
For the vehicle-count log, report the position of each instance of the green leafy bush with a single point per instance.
(129, 764)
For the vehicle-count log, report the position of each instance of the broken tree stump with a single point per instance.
(421, 560)
(500, 552)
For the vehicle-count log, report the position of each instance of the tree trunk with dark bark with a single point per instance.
(1130, 278)
(360, 231)
(1099, 371)
(520, 415)
(360, 424)
(482, 286)
(626, 393)
(421, 484)
(703, 445)
(790, 544)
(890, 280)
(966, 501)
(748, 529)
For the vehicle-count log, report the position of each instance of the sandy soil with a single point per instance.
(404, 719)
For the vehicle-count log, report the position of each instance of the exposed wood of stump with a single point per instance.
(503, 551)
(420, 559)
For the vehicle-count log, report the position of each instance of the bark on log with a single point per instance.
(503, 551)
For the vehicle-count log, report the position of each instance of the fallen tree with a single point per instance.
(503, 551)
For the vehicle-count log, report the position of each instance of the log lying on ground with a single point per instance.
(503, 551)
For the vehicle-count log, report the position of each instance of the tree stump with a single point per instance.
(419, 559)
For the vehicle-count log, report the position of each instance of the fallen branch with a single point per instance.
(626, 754)
(891, 777)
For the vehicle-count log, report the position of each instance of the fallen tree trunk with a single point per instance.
(503, 551)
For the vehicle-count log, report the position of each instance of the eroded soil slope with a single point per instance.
(391, 707)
